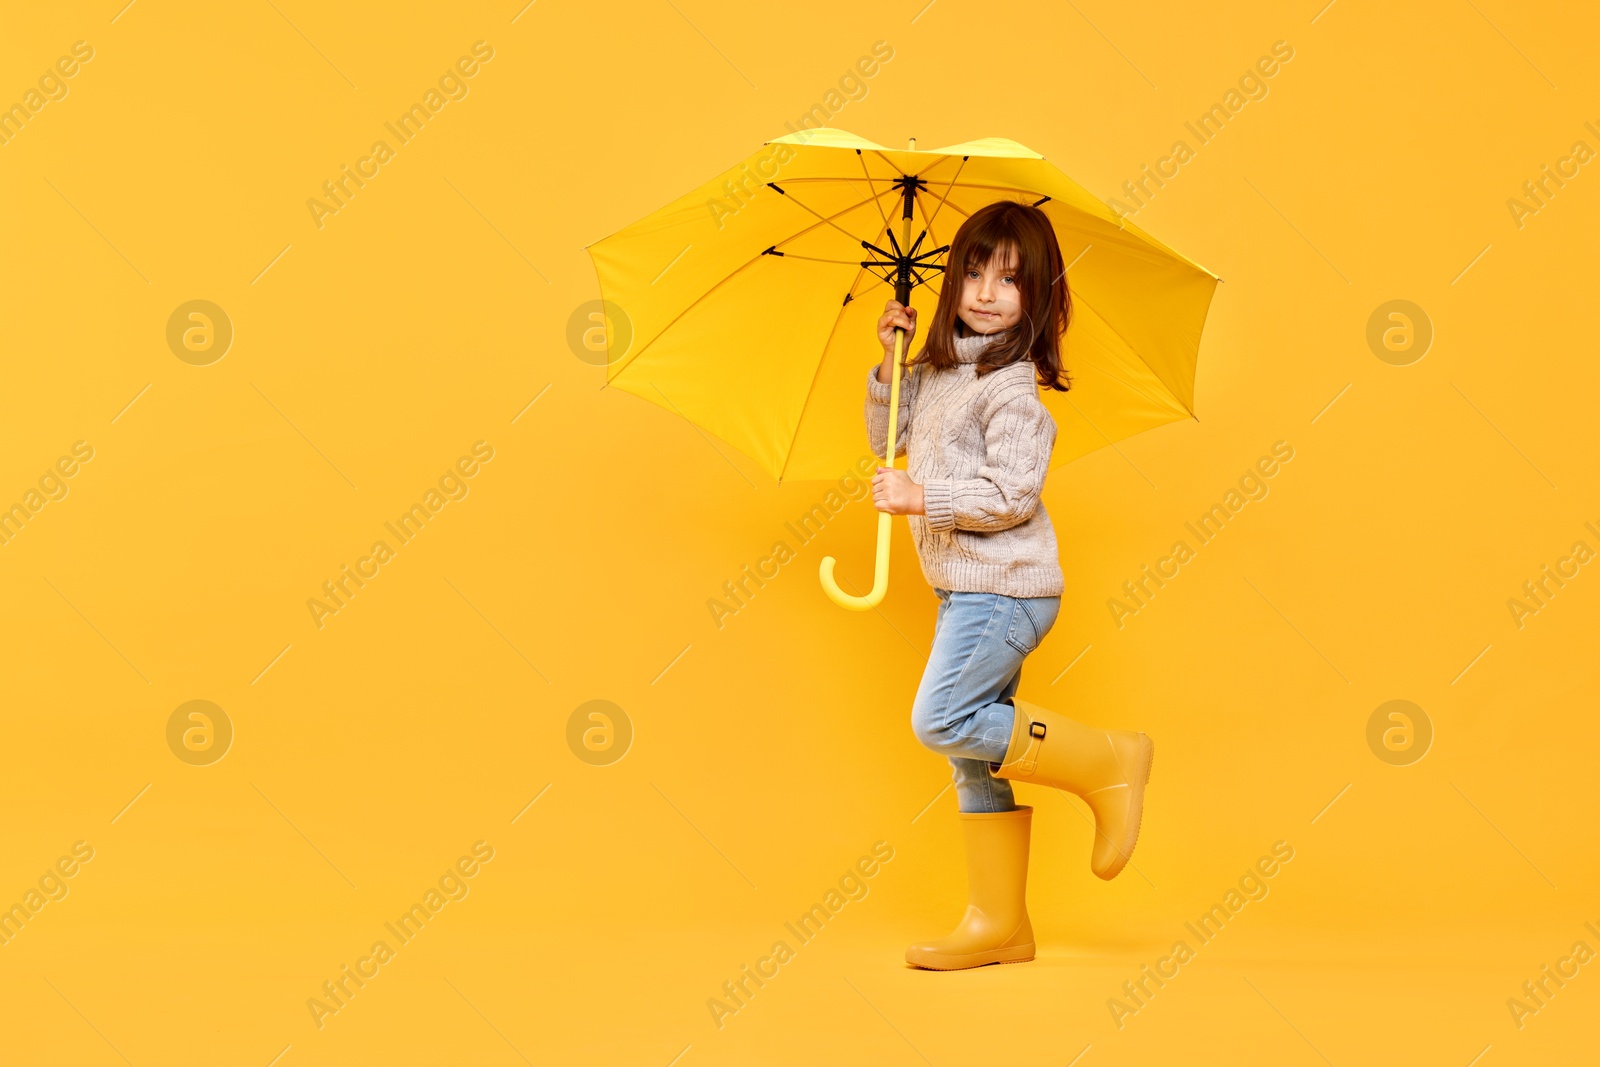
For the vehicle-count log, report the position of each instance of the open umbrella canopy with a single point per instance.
(752, 301)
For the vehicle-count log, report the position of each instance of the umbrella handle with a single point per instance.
(880, 570)
(880, 574)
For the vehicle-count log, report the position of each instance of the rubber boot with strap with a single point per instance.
(1107, 768)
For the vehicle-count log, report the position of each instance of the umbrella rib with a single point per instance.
(820, 178)
(613, 375)
(942, 201)
(886, 161)
(935, 163)
(951, 184)
(815, 374)
(868, 175)
(829, 219)
(851, 295)
(814, 259)
(628, 360)
(927, 221)
(1001, 188)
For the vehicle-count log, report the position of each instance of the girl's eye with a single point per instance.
(1010, 278)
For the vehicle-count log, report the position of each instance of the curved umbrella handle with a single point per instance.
(880, 570)
(880, 574)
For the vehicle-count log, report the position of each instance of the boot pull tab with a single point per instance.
(1029, 760)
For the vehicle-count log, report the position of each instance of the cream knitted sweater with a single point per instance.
(980, 449)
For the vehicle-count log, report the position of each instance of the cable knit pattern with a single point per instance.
(980, 449)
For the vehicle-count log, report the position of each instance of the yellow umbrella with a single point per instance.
(751, 303)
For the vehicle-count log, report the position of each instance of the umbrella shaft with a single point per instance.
(902, 278)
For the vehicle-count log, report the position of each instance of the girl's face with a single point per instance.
(990, 297)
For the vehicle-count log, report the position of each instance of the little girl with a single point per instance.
(979, 443)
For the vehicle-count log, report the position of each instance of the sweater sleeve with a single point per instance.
(1018, 438)
(877, 411)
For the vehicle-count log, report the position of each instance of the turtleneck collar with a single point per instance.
(970, 346)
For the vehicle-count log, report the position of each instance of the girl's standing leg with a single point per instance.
(962, 707)
(961, 711)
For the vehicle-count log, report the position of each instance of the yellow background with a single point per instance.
(769, 754)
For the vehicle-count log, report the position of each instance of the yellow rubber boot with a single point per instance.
(995, 928)
(1107, 768)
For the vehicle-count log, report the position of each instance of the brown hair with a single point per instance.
(1041, 285)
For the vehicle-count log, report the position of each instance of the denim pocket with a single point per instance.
(1024, 633)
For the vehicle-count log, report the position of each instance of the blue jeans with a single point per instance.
(962, 709)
